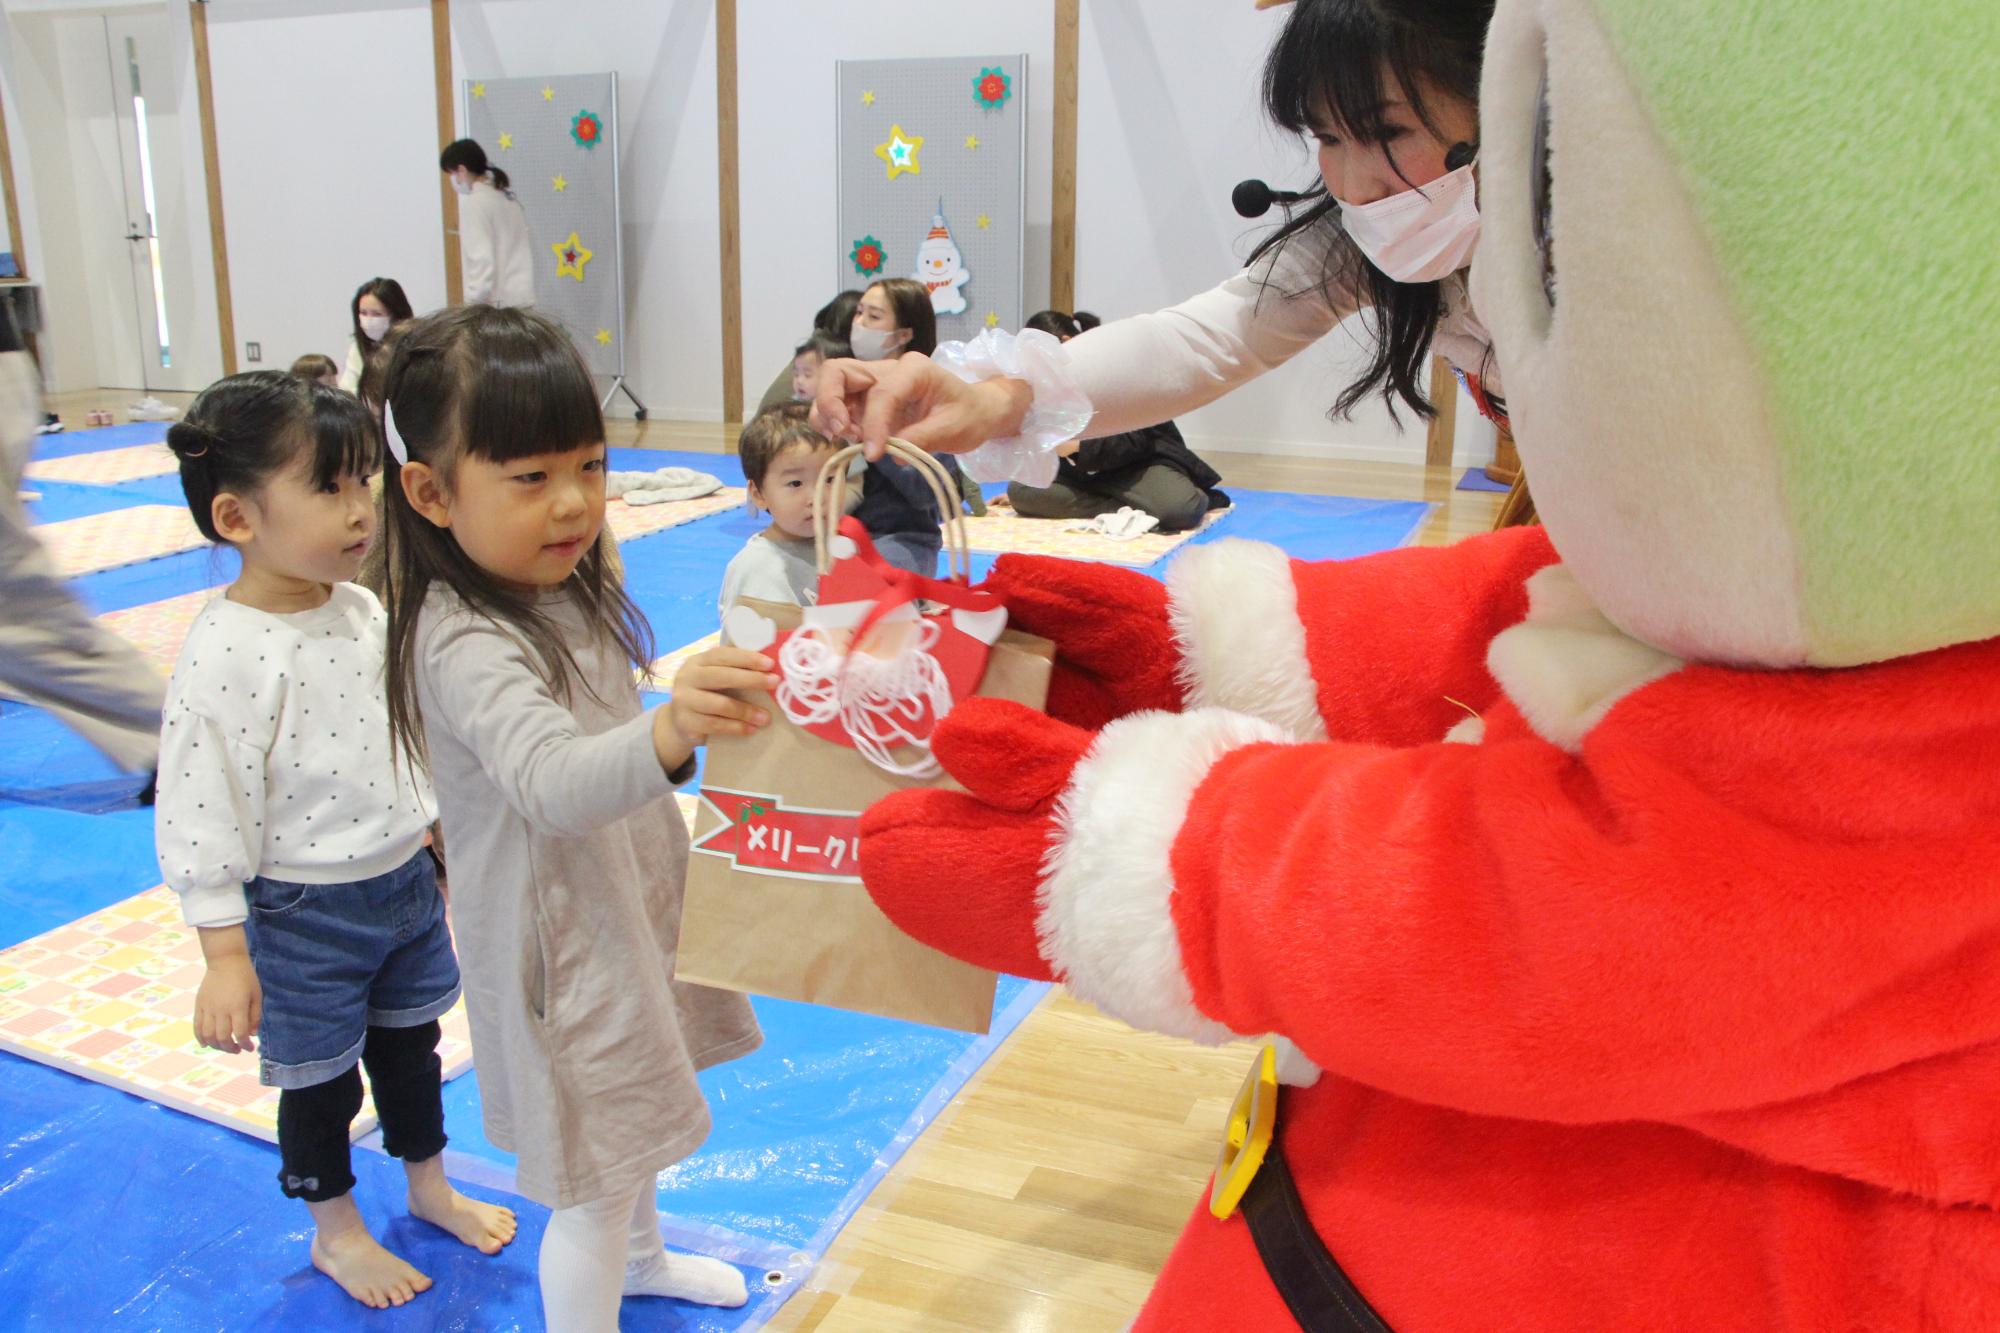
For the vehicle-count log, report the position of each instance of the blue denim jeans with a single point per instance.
(336, 959)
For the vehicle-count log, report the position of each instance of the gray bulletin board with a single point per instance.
(557, 140)
(933, 182)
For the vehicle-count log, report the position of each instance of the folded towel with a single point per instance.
(668, 483)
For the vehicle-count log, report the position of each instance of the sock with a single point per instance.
(687, 1277)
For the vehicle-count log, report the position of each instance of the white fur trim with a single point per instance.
(1467, 731)
(1566, 664)
(1235, 613)
(1108, 879)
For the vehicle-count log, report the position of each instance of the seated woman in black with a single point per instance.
(1151, 470)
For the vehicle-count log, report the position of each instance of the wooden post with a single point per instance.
(218, 242)
(13, 204)
(454, 278)
(1062, 229)
(1444, 426)
(727, 190)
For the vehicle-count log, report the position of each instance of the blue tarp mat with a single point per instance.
(186, 1227)
(65, 443)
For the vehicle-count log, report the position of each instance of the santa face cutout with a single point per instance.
(941, 269)
(882, 690)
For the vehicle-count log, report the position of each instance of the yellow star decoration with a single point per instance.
(561, 183)
(867, 99)
(479, 90)
(983, 221)
(604, 337)
(972, 141)
(570, 258)
(506, 139)
(548, 94)
(901, 152)
(992, 319)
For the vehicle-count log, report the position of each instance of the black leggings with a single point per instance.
(313, 1123)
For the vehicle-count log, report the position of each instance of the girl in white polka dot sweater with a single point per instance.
(296, 844)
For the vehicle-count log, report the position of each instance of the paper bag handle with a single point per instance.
(833, 496)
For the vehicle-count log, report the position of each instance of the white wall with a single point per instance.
(326, 134)
(663, 52)
(326, 129)
(785, 91)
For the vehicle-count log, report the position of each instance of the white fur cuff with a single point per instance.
(1108, 880)
(1235, 613)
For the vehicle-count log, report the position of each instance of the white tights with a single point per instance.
(596, 1253)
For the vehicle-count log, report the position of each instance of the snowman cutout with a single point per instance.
(941, 269)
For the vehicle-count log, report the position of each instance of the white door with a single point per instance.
(144, 96)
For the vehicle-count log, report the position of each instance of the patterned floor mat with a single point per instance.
(120, 537)
(1005, 531)
(109, 466)
(629, 521)
(158, 629)
(111, 998)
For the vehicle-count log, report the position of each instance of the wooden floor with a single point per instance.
(1047, 1195)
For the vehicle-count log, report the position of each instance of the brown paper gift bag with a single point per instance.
(774, 902)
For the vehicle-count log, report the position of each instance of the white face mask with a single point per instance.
(876, 344)
(1418, 235)
(374, 326)
(463, 184)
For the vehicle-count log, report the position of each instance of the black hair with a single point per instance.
(1342, 58)
(770, 433)
(1085, 321)
(390, 293)
(836, 317)
(499, 384)
(823, 345)
(910, 300)
(468, 154)
(240, 432)
(1055, 322)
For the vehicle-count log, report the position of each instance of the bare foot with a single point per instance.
(364, 1270)
(486, 1227)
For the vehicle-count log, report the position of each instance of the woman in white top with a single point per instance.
(1389, 91)
(378, 306)
(494, 252)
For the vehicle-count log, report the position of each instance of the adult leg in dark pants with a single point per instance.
(1156, 489)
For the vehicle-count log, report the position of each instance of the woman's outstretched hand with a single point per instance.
(914, 399)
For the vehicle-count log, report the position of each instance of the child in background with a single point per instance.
(512, 646)
(782, 455)
(297, 849)
(318, 368)
(808, 357)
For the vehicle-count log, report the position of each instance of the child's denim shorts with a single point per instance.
(334, 959)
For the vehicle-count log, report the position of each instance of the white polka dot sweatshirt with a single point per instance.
(275, 756)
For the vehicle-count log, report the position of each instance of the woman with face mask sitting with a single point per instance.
(378, 306)
(894, 318)
(1387, 90)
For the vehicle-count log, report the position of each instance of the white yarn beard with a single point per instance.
(877, 701)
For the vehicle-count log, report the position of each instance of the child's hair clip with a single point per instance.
(393, 437)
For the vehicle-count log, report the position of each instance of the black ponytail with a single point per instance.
(468, 154)
(241, 431)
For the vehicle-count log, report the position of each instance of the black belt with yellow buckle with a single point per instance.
(1252, 1175)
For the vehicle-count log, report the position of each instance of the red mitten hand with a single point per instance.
(1115, 649)
(960, 870)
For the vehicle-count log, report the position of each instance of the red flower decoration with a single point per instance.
(586, 128)
(868, 255)
(991, 87)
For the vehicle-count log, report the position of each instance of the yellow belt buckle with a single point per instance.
(1252, 1121)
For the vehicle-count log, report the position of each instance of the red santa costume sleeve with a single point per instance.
(1387, 648)
(1730, 890)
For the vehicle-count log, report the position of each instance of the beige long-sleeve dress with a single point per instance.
(568, 856)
